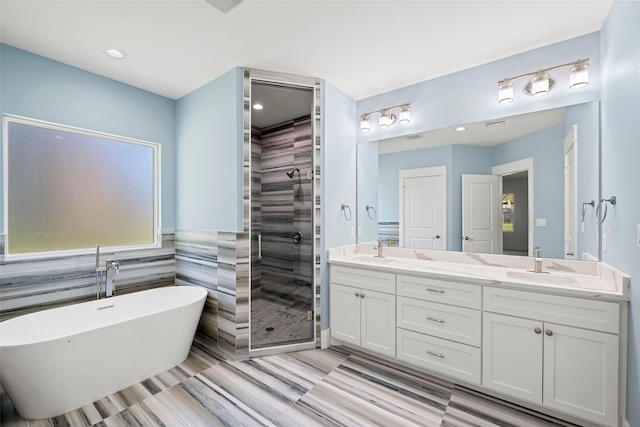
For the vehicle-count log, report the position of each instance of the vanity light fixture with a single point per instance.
(541, 83)
(579, 75)
(364, 123)
(386, 117)
(505, 91)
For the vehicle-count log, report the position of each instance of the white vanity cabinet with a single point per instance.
(439, 326)
(553, 350)
(560, 352)
(363, 309)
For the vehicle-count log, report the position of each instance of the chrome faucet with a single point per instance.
(112, 268)
(378, 246)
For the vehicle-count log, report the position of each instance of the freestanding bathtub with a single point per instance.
(58, 360)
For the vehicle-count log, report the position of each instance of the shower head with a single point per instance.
(292, 172)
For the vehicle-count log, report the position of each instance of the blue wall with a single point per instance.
(338, 178)
(209, 155)
(39, 88)
(621, 169)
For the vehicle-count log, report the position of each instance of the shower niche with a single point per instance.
(282, 198)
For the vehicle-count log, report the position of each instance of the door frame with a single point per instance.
(440, 171)
(515, 167)
(315, 85)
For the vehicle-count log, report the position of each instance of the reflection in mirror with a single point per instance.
(509, 185)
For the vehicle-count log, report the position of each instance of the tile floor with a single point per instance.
(332, 387)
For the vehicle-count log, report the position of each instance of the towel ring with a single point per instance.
(369, 209)
(584, 206)
(611, 200)
(344, 211)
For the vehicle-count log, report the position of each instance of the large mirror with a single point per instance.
(501, 186)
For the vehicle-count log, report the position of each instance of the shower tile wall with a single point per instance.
(32, 285)
(286, 206)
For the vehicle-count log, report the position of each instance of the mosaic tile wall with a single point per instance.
(31, 285)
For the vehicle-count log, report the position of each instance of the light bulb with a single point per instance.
(579, 75)
(505, 92)
(540, 84)
(364, 123)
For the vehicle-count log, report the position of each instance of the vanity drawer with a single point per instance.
(583, 313)
(455, 293)
(362, 278)
(459, 324)
(447, 357)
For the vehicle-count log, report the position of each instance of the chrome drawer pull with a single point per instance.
(441, 356)
(435, 320)
(437, 291)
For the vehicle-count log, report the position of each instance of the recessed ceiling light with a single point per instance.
(460, 128)
(115, 53)
(258, 106)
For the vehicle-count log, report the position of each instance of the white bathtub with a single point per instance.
(58, 360)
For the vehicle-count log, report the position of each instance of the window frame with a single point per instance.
(155, 147)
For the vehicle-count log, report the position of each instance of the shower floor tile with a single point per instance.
(273, 323)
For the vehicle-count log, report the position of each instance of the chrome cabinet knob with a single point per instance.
(537, 330)
(548, 332)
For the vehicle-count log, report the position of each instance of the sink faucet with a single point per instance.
(537, 253)
(378, 246)
(112, 268)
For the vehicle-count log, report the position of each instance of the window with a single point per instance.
(69, 190)
(508, 211)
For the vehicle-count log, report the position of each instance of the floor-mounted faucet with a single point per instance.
(106, 275)
(112, 268)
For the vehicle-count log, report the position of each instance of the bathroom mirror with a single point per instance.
(543, 168)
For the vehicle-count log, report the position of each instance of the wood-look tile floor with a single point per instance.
(332, 387)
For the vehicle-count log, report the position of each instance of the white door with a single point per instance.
(570, 197)
(422, 208)
(581, 372)
(512, 356)
(481, 214)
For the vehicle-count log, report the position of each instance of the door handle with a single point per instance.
(259, 246)
(467, 238)
(437, 236)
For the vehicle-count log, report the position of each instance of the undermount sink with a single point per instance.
(548, 279)
(375, 259)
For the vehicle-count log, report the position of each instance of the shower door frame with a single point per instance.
(313, 84)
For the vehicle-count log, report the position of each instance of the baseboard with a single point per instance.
(325, 338)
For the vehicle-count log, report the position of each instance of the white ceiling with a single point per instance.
(362, 47)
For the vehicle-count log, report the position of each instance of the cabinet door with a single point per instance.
(512, 356)
(345, 313)
(378, 322)
(581, 372)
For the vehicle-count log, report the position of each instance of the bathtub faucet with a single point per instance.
(112, 268)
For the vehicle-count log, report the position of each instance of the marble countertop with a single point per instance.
(585, 279)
